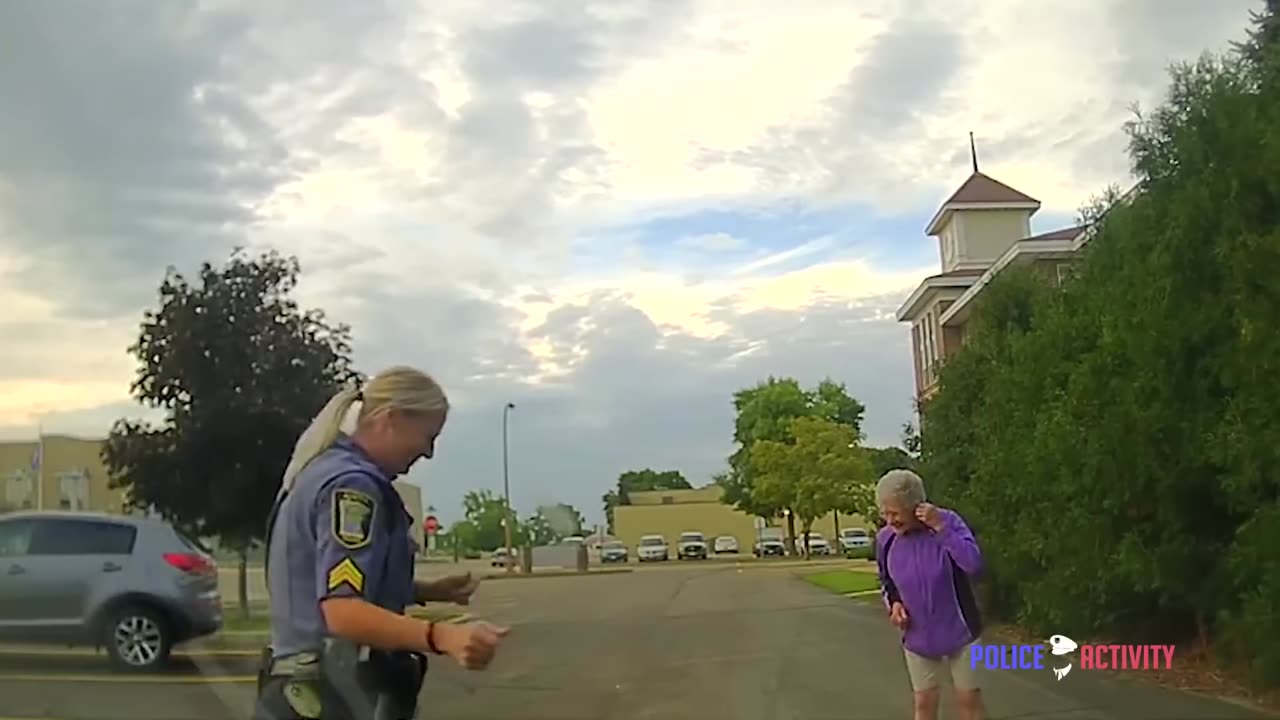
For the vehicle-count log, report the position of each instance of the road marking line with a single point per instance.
(72, 652)
(126, 679)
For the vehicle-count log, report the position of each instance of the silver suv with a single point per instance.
(135, 586)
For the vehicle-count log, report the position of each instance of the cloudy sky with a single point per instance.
(612, 213)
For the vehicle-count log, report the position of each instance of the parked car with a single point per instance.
(499, 558)
(135, 586)
(652, 547)
(725, 544)
(613, 551)
(853, 540)
(692, 545)
(769, 547)
(818, 545)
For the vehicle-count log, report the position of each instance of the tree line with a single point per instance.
(799, 455)
(1115, 442)
(481, 528)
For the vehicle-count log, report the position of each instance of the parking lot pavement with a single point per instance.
(79, 685)
(754, 643)
(699, 641)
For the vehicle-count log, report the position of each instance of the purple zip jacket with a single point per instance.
(931, 574)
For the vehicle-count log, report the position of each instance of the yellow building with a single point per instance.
(57, 472)
(412, 496)
(671, 512)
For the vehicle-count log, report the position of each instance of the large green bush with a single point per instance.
(1116, 442)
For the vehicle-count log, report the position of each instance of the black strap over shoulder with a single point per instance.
(882, 560)
(965, 595)
(266, 539)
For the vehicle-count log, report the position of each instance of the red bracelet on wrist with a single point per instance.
(431, 639)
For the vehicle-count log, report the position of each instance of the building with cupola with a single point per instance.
(983, 228)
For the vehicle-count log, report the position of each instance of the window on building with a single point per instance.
(931, 347)
(19, 491)
(1065, 271)
(917, 352)
(65, 536)
(73, 490)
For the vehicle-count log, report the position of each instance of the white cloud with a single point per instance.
(451, 174)
(711, 242)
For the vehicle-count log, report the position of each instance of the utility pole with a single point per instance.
(506, 487)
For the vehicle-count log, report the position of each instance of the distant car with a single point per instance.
(692, 545)
(725, 544)
(135, 586)
(613, 551)
(769, 546)
(818, 545)
(652, 548)
(499, 558)
(854, 539)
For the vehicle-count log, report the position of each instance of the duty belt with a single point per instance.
(303, 663)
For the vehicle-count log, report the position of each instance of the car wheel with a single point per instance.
(137, 638)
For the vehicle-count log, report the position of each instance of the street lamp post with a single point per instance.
(506, 486)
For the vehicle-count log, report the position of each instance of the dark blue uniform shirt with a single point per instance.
(341, 531)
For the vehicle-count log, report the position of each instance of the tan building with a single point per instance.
(671, 512)
(984, 227)
(67, 473)
(56, 472)
(412, 496)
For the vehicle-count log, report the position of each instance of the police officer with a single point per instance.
(340, 564)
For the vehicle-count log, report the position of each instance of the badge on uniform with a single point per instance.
(352, 518)
(304, 700)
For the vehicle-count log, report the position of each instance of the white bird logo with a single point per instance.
(1061, 672)
(1062, 645)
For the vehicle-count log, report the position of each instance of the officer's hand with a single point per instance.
(472, 645)
(459, 588)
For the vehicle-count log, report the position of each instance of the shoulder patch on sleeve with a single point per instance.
(346, 573)
(352, 518)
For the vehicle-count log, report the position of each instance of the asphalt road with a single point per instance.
(680, 641)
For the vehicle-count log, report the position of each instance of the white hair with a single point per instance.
(902, 487)
(396, 388)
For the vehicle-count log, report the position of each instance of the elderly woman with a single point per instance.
(928, 558)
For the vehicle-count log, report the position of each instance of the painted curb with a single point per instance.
(556, 574)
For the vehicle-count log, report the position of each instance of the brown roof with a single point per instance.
(1063, 234)
(981, 189)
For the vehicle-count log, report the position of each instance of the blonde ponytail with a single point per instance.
(320, 434)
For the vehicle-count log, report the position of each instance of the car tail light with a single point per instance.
(189, 562)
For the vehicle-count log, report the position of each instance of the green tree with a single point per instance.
(911, 440)
(538, 530)
(820, 470)
(765, 412)
(1114, 442)
(484, 513)
(562, 519)
(641, 481)
(240, 370)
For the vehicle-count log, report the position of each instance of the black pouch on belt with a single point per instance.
(399, 677)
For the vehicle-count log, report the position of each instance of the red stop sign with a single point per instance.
(430, 524)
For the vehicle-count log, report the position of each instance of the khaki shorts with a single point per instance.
(928, 673)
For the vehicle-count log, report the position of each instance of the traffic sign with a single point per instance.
(431, 525)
